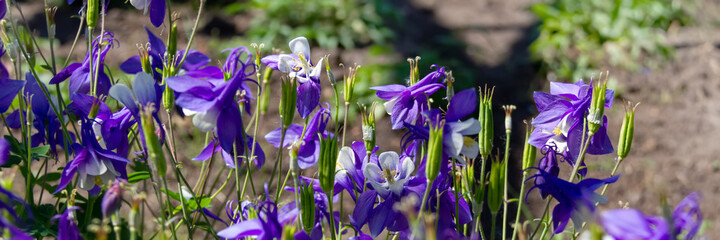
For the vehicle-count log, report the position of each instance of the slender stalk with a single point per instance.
(492, 230)
(192, 35)
(457, 197)
(614, 171)
(347, 107)
(520, 203)
(222, 187)
(237, 173)
(542, 219)
(278, 158)
(424, 199)
(482, 184)
(505, 188)
(77, 37)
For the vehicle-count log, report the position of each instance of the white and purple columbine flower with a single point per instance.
(560, 121)
(79, 73)
(146, 94)
(156, 8)
(575, 200)
(298, 65)
(631, 224)
(390, 175)
(308, 145)
(213, 104)
(404, 104)
(350, 164)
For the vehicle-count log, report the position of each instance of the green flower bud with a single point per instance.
(288, 101)
(414, 72)
(485, 136)
(529, 151)
(368, 127)
(626, 131)
(154, 151)
(168, 98)
(265, 97)
(144, 52)
(307, 206)
(435, 150)
(93, 9)
(349, 84)
(327, 163)
(597, 105)
(172, 40)
(331, 75)
(495, 185)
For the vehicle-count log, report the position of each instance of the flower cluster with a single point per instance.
(106, 150)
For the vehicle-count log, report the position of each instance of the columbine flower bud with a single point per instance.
(265, 98)
(50, 13)
(331, 75)
(307, 206)
(435, 150)
(288, 101)
(172, 39)
(349, 84)
(144, 52)
(154, 152)
(93, 9)
(327, 162)
(112, 200)
(485, 137)
(414, 72)
(626, 131)
(529, 151)
(495, 185)
(368, 127)
(597, 106)
(508, 116)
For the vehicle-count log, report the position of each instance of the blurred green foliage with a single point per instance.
(331, 23)
(578, 36)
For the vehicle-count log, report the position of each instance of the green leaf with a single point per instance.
(138, 176)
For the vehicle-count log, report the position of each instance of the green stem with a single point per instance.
(520, 203)
(492, 230)
(542, 219)
(614, 171)
(347, 107)
(505, 188)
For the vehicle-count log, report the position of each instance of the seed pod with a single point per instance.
(168, 98)
(597, 106)
(172, 40)
(93, 9)
(626, 131)
(485, 136)
(495, 185)
(435, 151)
(349, 84)
(288, 100)
(327, 162)
(529, 151)
(154, 151)
(368, 127)
(307, 206)
(265, 98)
(331, 75)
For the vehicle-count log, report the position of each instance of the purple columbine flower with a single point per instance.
(631, 224)
(195, 65)
(560, 122)
(156, 8)
(92, 163)
(445, 210)
(308, 145)
(549, 164)
(687, 216)
(146, 93)
(10, 87)
(214, 106)
(67, 228)
(3, 10)
(575, 200)
(266, 226)
(79, 73)
(390, 179)
(298, 65)
(456, 133)
(49, 129)
(351, 162)
(112, 200)
(10, 199)
(404, 104)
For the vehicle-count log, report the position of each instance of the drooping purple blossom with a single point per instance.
(687, 217)
(560, 122)
(214, 106)
(404, 104)
(92, 163)
(156, 8)
(67, 228)
(47, 124)
(195, 65)
(298, 65)
(266, 226)
(575, 200)
(79, 73)
(549, 164)
(308, 145)
(6, 203)
(112, 200)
